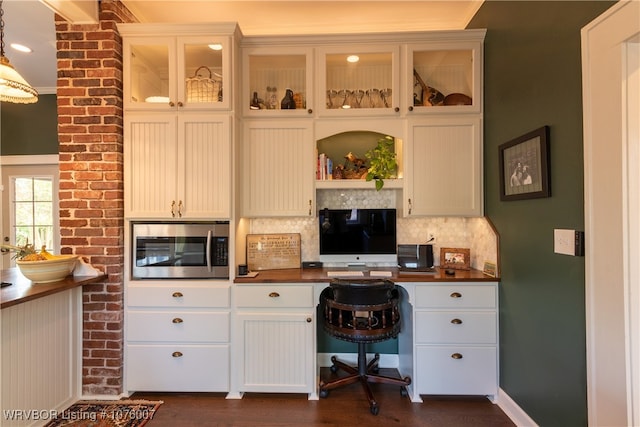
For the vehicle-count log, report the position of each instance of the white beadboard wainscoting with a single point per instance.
(40, 358)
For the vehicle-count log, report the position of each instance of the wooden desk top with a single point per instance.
(299, 275)
(23, 289)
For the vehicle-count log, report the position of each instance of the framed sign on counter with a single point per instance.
(273, 251)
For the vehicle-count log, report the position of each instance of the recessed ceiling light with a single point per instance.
(21, 47)
(353, 58)
(215, 46)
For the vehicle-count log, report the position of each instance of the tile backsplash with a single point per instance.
(450, 232)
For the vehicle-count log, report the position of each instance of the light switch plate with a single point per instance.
(568, 242)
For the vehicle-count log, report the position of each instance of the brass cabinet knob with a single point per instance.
(456, 321)
(177, 320)
(309, 319)
(411, 108)
(456, 356)
(310, 111)
(456, 295)
(274, 295)
(396, 109)
(177, 295)
(176, 354)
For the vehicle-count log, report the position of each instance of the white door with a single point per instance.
(611, 117)
(30, 208)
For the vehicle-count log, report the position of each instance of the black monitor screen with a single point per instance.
(357, 231)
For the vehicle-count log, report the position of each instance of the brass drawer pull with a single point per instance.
(176, 354)
(456, 295)
(177, 295)
(456, 321)
(177, 320)
(274, 295)
(456, 356)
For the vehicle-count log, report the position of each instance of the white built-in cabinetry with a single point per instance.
(275, 338)
(454, 340)
(177, 122)
(439, 147)
(177, 335)
(177, 165)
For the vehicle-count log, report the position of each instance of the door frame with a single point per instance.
(612, 181)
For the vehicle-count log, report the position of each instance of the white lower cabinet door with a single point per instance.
(456, 370)
(188, 368)
(276, 352)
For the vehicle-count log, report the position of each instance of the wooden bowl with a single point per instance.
(49, 270)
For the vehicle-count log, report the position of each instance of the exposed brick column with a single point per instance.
(90, 137)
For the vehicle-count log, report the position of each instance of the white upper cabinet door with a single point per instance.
(444, 77)
(277, 168)
(175, 67)
(443, 165)
(268, 74)
(358, 80)
(177, 166)
(204, 154)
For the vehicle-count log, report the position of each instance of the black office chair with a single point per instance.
(361, 311)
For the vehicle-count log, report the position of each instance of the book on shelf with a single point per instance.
(324, 167)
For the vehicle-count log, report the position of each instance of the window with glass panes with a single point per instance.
(32, 200)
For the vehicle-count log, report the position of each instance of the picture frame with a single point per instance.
(490, 269)
(455, 258)
(524, 166)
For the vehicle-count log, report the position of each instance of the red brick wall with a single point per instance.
(90, 137)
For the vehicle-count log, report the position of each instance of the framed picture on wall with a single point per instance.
(524, 166)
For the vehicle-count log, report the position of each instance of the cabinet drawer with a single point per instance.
(458, 296)
(177, 294)
(461, 327)
(177, 326)
(274, 296)
(177, 368)
(440, 372)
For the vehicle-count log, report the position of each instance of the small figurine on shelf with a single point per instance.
(338, 172)
(272, 98)
(255, 102)
(288, 103)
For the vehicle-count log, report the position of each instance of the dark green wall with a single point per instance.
(29, 128)
(532, 76)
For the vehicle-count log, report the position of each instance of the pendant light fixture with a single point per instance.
(13, 88)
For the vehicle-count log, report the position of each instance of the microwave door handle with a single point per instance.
(208, 251)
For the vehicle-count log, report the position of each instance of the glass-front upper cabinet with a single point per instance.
(277, 82)
(163, 73)
(444, 78)
(358, 80)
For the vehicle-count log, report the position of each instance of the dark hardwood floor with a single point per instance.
(344, 407)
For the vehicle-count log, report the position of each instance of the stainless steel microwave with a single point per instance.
(180, 250)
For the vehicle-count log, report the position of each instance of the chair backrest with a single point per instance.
(362, 310)
(363, 291)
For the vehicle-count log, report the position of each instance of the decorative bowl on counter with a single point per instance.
(49, 270)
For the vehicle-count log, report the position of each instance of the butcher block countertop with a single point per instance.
(321, 275)
(22, 289)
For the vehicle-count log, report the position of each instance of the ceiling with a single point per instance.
(31, 23)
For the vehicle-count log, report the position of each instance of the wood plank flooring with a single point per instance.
(344, 407)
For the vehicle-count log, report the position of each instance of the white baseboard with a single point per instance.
(513, 411)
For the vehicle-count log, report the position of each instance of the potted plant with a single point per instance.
(382, 162)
